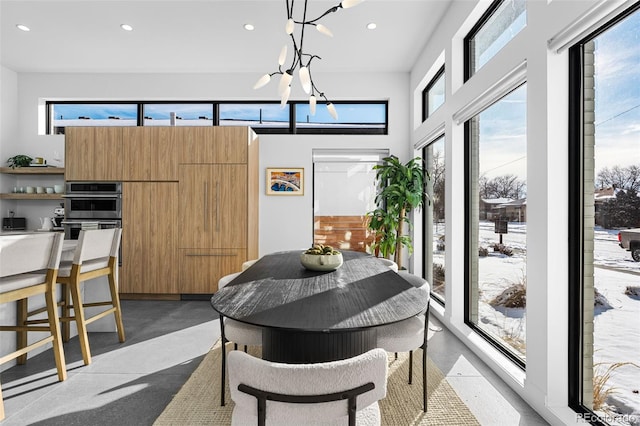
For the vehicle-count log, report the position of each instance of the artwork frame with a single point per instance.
(291, 185)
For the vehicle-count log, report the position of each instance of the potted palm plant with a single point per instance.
(401, 189)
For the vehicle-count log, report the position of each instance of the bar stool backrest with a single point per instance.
(29, 252)
(97, 244)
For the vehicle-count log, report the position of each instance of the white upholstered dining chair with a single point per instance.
(335, 393)
(410, 334)
(237, 332)
(248, 264)
(390, 264)
(28, 268)
(96, 255)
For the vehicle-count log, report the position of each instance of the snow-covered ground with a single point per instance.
(616, 330)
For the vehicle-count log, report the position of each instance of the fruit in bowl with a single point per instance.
(321, 258)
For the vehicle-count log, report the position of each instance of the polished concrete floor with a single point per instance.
(132, 382)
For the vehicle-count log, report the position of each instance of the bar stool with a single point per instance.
(29, 267)
(95, 256)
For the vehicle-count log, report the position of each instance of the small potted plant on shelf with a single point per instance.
(401, 188)
(19, 160)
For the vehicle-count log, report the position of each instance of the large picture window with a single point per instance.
(605, 204)
(500, 23)
(434, 218)
(496, 238)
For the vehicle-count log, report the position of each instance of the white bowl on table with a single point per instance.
(321, 262)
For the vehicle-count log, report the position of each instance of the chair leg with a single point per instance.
(424, 379)
(54, 326)
(410, 367)
(395, 354)
(115, 301)
(223, 340)
(66, 312)
(1, 405)
(80, 321)
(21, 336)
(424, 357)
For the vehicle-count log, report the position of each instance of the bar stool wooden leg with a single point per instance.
(115, 300)
(22, 310)
(80, 319)
(54, 325)
(66, 312)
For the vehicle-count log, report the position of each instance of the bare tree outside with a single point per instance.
(505, 186)
(619, 177)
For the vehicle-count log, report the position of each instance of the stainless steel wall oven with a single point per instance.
(92, 205)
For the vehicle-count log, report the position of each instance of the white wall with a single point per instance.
(285, 222)
(544, 384)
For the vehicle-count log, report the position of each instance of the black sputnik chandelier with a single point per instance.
(302, 60)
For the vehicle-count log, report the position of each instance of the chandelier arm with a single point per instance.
(331, 10)
(296, 54)
(314, 88)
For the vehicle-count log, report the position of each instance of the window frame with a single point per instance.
(49, 111)
(468, 255)
(575, 219)
(468, 71)
(291, 129)
(441, 300)
(425, 93)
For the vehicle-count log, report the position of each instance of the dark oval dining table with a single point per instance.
(309, 316)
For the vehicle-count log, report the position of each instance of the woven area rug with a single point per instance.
(198, 401)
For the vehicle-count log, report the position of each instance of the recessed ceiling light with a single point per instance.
(249, 27)
(126, 27)
(23, 27)
(371, 26)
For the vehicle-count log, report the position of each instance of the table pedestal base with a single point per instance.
(295, 347)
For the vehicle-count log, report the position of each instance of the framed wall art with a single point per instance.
(285, 181)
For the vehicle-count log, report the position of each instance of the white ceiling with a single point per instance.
(207, 35)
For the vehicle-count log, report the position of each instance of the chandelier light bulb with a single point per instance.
(305, 79)
(285, 97)
(312, 105)
(263, 81)
(324, 30)
(289, 27)
(302, 59)
(283, 55)
(332, 110)
(285, 82)
(346, 4)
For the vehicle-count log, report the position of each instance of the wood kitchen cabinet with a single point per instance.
(213, 202)
(218, 189)
(189, 201)
(93, 153)
(149, 238)
(150, 153)
(215, 145)
(202, 268)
